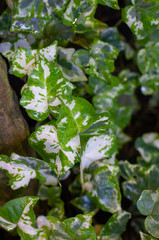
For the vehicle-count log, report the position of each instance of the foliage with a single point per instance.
(82, 102)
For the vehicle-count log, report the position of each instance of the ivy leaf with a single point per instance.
(99, 60)
(111, 36)
(83, 203)
(5, 22)
(146, 236)
(109, 3)
(71, 71)
(80, 15)
(141, 17)
(9, 47)
(104, 188)
(98, 147)
(148, 205)
(44, 90)
(22, 169)
(19, 213)
(148, 146)
(76, 115)
(53, 195)
(78, 227)
(45, 141)
(24, 60)
(115, 226)
(30, 16)
(138, 178)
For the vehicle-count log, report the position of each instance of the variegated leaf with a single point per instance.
(78, 227)
(44, 90)
(45, 141)
(18, 213)
(24, 59)
(22, 169)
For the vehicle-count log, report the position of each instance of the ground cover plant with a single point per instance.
(86, 76)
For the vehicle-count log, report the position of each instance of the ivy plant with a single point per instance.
(80, 76)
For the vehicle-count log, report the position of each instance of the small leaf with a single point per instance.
(148, 205)
(30, 16)
(45, 141)
(19, 213)
(78, 227)
(22, 169)
(148, 146)
(115, 226)
(105, 190)
(83, 203)
(44, 90)
(109, 3)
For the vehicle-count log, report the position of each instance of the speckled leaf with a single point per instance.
(45, 141)
(44, 90)
(115, 226)
(109, 3)
(85, 204)
(80, 15)
(98, 147)
(8, 48)
(30, 16)
(68, 68)
(148, 146)
(148, 205)
(146, 236)
(99, 60)
(141, 17)
(24, 59)
(76, 115)
(78, 227)
(18, 213)
(22, 169)
(104, 188)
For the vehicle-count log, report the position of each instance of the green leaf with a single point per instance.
(44, 90)
(53, 194)
(65, 62)
(138, 178)
(104, 188)
(148, 146)
(83, 203)
(45, 141)
(24, 60)
(22, 169)
(109, 3)
(112, 37)
(147, 58)
(5, 22)
(141, 17)
(19, 213)
(115, 226)
(98, 147)
(78, 227)
(148, 205)
(30, 16)
(80, 15)
(146, 236)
